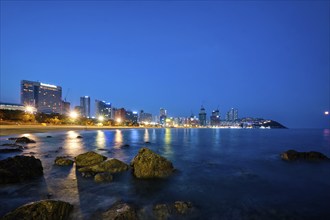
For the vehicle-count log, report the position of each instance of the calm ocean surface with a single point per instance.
(225, 173)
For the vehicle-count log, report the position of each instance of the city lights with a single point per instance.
(101, 118)
(118, 120)
(73, 115)
(29, 109)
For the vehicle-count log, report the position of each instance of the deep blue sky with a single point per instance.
(269, 59)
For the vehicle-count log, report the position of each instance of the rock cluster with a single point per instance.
(120, 211)
(147, 164)
(45, 209)
(19, 168)
(63, 161)
(291, 155)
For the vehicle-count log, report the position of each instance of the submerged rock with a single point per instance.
(162, 211)
(20, 168)
(103, 177)
(111, 166)
(63, 161)
(79, 136)
(24, 140)
(183, 207)
(120, 211)
(45, 209)
(89, 158)
(291, 155)
(12, 145)
(147, 164)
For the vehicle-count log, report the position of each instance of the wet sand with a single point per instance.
(6, 130)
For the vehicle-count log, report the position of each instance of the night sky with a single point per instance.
(267, 59)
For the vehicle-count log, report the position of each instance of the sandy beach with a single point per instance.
(6, 130)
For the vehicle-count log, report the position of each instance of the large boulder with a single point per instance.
(19, 168)
(147, 164)
(63, 161)
(24, 140)
(111, 165)
(291, 155)
(45, 209)
(89, 158)
(120, 211)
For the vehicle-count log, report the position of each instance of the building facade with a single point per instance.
(85, 104)
(202, 117)
(215, 118)
(44, 97)
(162, 116)
(103, 108)
(145, 117)
(232, 115)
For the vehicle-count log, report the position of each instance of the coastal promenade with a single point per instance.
(6, 130)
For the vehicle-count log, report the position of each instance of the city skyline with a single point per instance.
(267, 59)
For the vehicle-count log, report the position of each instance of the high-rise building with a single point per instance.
(44, 97)
(215, 118)
(85, 104)
(202, 117)
(120, 115)
(232, 115)
(145, 117)
(162, 116)
(103, 108)
(131, 117)
(65, 108)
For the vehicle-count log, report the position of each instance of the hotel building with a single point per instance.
(44, 97)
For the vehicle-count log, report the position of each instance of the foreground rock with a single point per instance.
(46, 209)
(89, 158)
(24, 140)
(19, 168)
(147, 164)
(111, 166)
(169, 211)
(63, 161)
(120, 211)
(291, 155)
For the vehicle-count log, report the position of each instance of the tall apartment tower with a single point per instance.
(85, 104)
(215, 118)
(202, 117)
(44, 97)
(232, 115)
(102, 108)
(162, 116)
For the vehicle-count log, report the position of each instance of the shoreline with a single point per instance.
(6, 130)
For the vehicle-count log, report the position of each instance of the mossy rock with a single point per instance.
(63, 161)
(147, 164)
(89, 158)
(111, 166)
(41, 210)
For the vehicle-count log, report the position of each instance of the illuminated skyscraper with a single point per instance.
(44, 97)
(85, 104)
(215, 118)
(102, 109)
(162, 116)
(202, 117)
(232, 115)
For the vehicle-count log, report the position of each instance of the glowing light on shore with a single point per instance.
(29, 109)
(73, 115)
(101, 118)
(118, 120)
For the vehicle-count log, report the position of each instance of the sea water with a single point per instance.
(225, 173)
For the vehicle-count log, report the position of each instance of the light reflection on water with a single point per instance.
(221, 171)
(100, 141)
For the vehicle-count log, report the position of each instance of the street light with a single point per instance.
(29, 109)
(73, 115)
(101, 118)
